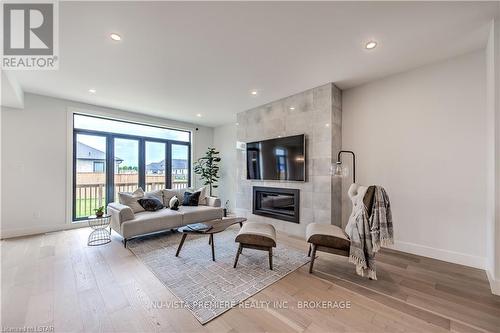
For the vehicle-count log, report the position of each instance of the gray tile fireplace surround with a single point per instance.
(317, 113)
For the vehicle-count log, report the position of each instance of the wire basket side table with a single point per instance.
(100, 234)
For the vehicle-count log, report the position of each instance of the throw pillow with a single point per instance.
(203, 196)
(150, 204)
(174, 203)
(191, 199)
(130, 199)
(158, 195)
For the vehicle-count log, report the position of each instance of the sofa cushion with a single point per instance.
(130, 199)
(150, 204)
(148, 222)
(195, 214)
(158, 195)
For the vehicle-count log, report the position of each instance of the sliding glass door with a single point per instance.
(126, 165)
(89, 174)
(111, 156)
(156, 175)
(180, 165)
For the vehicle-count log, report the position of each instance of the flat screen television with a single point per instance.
(277, 159)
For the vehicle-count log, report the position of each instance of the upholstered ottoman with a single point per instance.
(327, 238)
(257, 236)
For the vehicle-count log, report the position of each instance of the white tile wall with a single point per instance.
(317, 114)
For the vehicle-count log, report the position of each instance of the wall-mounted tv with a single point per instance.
(277, 159)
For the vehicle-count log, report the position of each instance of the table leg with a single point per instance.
(313, 256)
(180, 245)
(213, 249)
(271, 258)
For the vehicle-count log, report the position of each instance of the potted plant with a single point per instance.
(99, 212)
(208, 169)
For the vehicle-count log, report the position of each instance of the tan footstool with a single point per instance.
(257, 236)
(327, 238)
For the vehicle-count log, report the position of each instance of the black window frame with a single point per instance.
(110, 156)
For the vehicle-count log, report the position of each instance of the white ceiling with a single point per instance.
(179, 59)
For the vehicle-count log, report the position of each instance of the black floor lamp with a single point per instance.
(341, 171)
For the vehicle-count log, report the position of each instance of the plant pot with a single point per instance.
(99, 214)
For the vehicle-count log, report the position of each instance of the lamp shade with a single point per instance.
(338, 170)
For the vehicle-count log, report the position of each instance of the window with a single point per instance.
(98, 167)
(112, 156)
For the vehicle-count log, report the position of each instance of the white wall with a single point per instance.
(39, 137)
(1, 167)
(225, 143)
(497, 153)
(493, 171)
(422, 135)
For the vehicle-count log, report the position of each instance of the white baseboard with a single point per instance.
(494, 283)
(10, 233)
(440, 254)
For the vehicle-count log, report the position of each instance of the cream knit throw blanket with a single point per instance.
(369, 233)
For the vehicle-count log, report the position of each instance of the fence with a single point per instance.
(91, 192)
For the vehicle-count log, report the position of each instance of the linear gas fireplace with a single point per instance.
(278, 203)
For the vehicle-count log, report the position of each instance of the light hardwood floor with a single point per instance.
(56, 280)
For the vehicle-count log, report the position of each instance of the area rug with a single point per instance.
(209, 288)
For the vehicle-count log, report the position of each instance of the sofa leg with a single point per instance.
(125, 243)
(313, 256)
(309, 253)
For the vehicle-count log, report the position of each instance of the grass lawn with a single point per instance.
(83, 206)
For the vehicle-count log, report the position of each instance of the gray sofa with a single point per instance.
(129, 224)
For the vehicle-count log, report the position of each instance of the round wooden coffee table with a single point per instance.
(215, 226)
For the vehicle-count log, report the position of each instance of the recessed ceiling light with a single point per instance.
(237, 124)
(115, 37)
(198, 115)
(292, 108)
(327, 125)
(371, 45)
(92, 91)
(254, 92)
